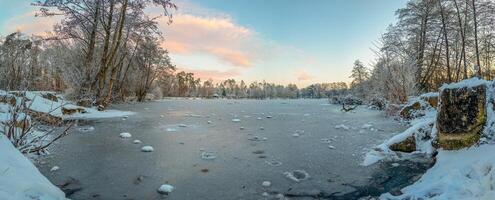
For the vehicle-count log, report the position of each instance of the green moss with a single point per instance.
(459, 140)
(408, 145)
(406, 112)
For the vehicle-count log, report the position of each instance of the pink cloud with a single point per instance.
(28, 24)
(303, 75)
(216, 36)
(215, 75)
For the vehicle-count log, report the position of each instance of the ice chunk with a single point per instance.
(171, 129)
(182, 125)
(297, 175)
(208, 155)
(274, 163)
(54, 168)
(266, 184)
(236, 120)
(136, 141)
(125, 135)
(165, 189)
(147, 149)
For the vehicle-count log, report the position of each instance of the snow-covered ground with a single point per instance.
(19, 178)
(467, 174)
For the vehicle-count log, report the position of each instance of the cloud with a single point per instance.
(302, 75)
(28, 24)
(216, 36)
(215, 75)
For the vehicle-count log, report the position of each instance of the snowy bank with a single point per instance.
(464, 174)
(418, 131)
(19, 178)
(58, 107)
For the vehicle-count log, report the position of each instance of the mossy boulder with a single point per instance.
(408, 111)
(461, 116)
(431, 99)
(408, 145)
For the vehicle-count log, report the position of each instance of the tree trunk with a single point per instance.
(463, 39)
(445, 35)
(102, 74)
(476, 40)
(91, 47)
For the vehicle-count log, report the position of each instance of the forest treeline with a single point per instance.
(433, 42)
(104, 51)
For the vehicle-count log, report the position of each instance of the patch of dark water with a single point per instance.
(390, 177)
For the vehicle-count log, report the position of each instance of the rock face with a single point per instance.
(408, 111)
(461, 116)
(408, 145)
(431, 99)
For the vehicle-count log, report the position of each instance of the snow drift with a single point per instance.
(20, 179)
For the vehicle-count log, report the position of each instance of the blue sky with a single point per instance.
(291, 41)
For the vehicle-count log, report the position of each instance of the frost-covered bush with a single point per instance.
(21, 128)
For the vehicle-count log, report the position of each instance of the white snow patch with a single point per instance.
(165, 189)
(19, 178)
(467, 83)
(54, 168)
(462, 174)
(236, 120)
(208, 155)
(383, 151)
(266, 184)
(171, 129)
(137, 142)
(147, 149)
(125, 135)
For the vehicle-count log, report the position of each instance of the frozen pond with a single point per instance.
(221, 149)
